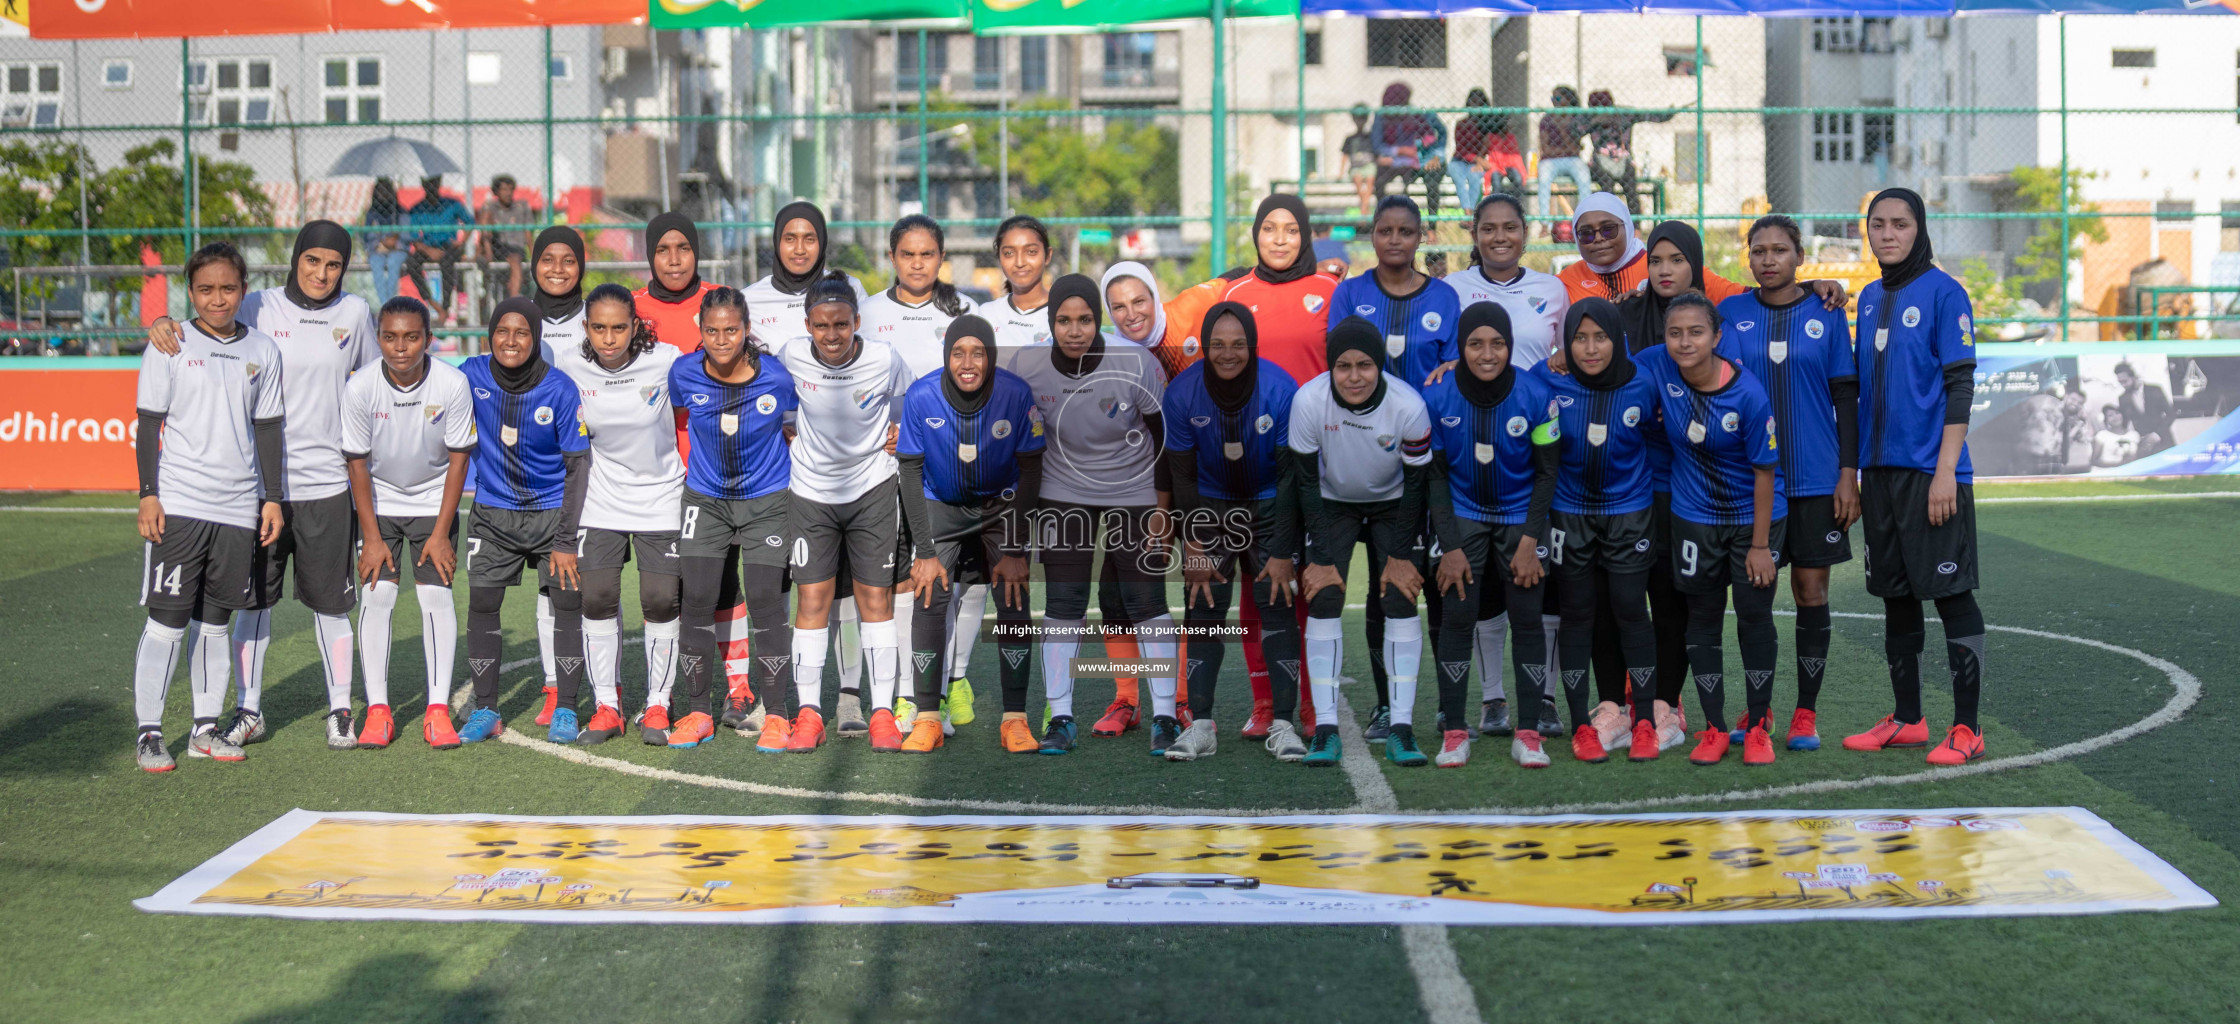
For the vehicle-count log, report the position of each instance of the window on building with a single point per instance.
(33, 96)
(231, 90)
(2133, 58)
(350, 88)
(1680, 61)
(1834, 138)
(1684, 162)
(987, 62)
(1034, 64)
(1851, 35)
(906, 59)
(1878, 135)
(116, 74)
(2228, 226)
(1313, 46)
(1407, 43)
(484, 68)
(562, 68)
(2173, 211)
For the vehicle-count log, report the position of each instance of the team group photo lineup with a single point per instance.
(1560, 486)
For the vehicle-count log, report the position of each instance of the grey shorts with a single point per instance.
(503, 541)
(1706, 559)
(406, 537)
(600, 548)
(756, 526)
(1579, 544)
(861, 535)
(321, 538)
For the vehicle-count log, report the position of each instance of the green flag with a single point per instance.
(781, 13)
(1029, 15)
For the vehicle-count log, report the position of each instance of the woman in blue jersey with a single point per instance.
(531, 467)
(733, 403)
(971, 460)
(1599, 534)
(1492, 480)
(1228, 421)
(1727, 519)
(1917, 357)
(1415, 313)
(1801, 351)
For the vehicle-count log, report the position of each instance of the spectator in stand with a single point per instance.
(2146, 408)
(1612, 135)
(509, 246)
(1485, 151)
(387, 249)
(1410, 147)
(1559, 152)
(1360, 150)
(442, 224)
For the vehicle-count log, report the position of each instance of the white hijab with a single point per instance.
(1130, 268)
(1604, 202)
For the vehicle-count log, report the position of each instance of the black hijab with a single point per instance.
(1354, 334)
(1075, 286)
(1303, 265)
(968, 326)
(1898, 275)
(569, 303)
(658, 228)
(781, 278)
(1620, 371)
(1231, 395)
(318, 234)
(519, 379)
(1484, 394)
(1643, 311)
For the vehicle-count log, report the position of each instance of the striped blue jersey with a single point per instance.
(1906, 341)
(737, 430)
(1418, 328)
(1488, 451)
(521, 440)
(1796, 351)
(1719, 441)
(970, 457)
(1236, 451)
(1605, 436)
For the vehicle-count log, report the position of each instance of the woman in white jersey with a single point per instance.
(631, 505)
(556, 265)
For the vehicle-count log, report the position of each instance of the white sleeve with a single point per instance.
(156, 369)
(270, 404)
(1306, 423)
(365, 341)
(458, 413)
(357, 421)
(1415, 436)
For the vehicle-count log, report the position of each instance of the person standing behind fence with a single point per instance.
(1559, 152)
(1410, 147)
(385, 255)
(441, 235)
(1485, 151)
(1612, 136)
(510, 247)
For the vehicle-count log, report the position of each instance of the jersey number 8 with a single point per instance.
(1555, 546)
(691, 520)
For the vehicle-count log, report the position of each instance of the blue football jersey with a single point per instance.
(1488, 452)
(1605, 435)
(737, 430)
(1796, 351)
(1719, 440)
(970, 458)
(1905, 342)
(1237, 458)
(1418, 329)
(520, 440)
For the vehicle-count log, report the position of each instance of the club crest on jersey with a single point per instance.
(544, 416)
(1778, 351)
(1312, 302)
(479, 393)
(253, 368)
(1881, 338)
(1483, 452)
(1431, 321)
(341, 336)
(1967, 331)
(1042, 337)
(1264, 424)
(1109, 406)
(1771, 443)
(1730, 422)
(1539, 305)
(1695, 433)
(1517, 426)
(1912, 317)
(766, 404)
(1386, 441)
(1814, 329)
(1633, 416)
(1597, 433)
(1199, 421)
(1232, 451)
(650, 394)
(968, 453)
(864, 396)
(1395, 345)
(508, 435)
(1450, 421)
(1190, 348)
(935, 422)
(1745, 325)
(728, 423)
(434, 412)
(1000, 429)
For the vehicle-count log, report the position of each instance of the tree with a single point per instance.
(2040, 190)
(1059, 169)
(146, 193)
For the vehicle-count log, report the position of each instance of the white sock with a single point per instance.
(1491, 636)
(1325, 642)
(1061, 641)
(808, 664)
(1548, 627)
(546, 622)
(1403, 655)
(602, 660)
(970, 607)
(1155, 637)
(439, 639)
(152, 665)
(252, 636)
(208, 672)
(374, 609)
(847, 645)
(905, 613)
(880, 654)
(661, 661)
(335, 645)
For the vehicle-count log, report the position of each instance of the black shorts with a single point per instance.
(1490, 546)
(321, 537)
(199, 564)
(1388, 534)
(601, 548)
(858, 536)
(1706, 559)
(1579, 544)
(967, 540)
(406, 536)
(1907, 557)
(1815, 542)
(756, 526)
(1234, 534)
(504, 540)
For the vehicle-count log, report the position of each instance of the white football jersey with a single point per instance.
(840, 444)
(1016, 328)
(1363, 453)
(1099, 450)
(774, 318)
(1536, 303)
(915, 332)
(210, 395)
(637, 477)
(322, 347)
(408, 434)
(563, 335)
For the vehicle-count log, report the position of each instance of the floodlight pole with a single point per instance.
(1221, 140)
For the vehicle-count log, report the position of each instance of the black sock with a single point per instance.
(1902, 642)
(485, 643)
(1279, 645)
(1452, 654)
(1707, 656)
(1761, 650)
(567, 645)
(929, 642)
(1963, 649)
(1372, 634)
(1205, 652)
(1573, 652)
(1813, 636)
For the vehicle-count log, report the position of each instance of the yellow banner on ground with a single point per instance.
(1610, 869)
